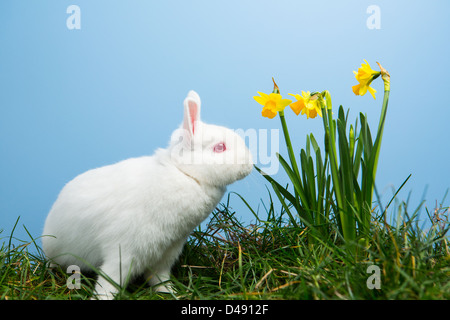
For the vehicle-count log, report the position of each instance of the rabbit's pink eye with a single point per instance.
(220, 147)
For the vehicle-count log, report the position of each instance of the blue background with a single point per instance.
(72, 100)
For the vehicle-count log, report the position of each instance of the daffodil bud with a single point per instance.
(326, 95)
(275, 87)
(386, 78)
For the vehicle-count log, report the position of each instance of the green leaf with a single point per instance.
(314, 143)
(309, 186)
(357, 156)
(289, 196)
(346, 167)
(297, 183)
(283, 203)
(294, 179)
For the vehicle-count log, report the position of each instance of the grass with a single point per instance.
(270, 259)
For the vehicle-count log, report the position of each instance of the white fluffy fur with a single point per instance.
(132, 218)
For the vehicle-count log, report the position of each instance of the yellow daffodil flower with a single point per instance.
(306, 104)
(273, 103)
(365, 76)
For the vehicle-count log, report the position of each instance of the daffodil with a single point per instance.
(365, 76)
(307, 104)
(273, 103)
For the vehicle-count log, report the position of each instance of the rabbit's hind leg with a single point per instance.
(158, 276)
(111, 278)
(160, 281)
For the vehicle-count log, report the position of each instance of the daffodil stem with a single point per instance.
(286, 134)
(378, 139)
(288, 143)
(383, 112)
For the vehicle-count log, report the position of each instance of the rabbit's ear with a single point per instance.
(191, 112)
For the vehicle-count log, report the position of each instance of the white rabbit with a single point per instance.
(132, 218)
